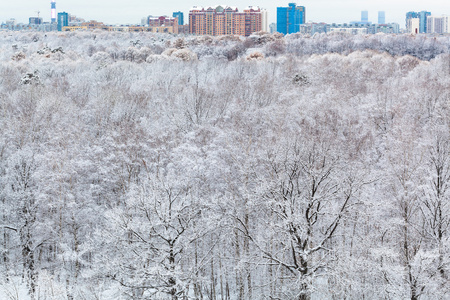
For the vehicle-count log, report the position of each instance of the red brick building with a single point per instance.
(224, 20)
(163, 21)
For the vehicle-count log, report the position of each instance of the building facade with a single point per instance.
(224, 20)
(438, 24)
(264, 20)
(410, 15)
(422, 16)
(75, 21)
(413, 25)
(35, 21)
(163, 21)
(273, 27)
(381, 17)
(364, 16)
(352, 28)
(183, 29)
(180, 16)
(290, 18)
(354, 31)
(63, 20)
(313, 28)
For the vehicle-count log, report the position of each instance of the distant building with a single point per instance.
(438, 24)
(413, 25)
(354, 31)
(360, 28)
(273, 27)
(224, 20)
(74, 21)
(411, 15)
(387, 28)
(183, 29)
(395, 27)
(313, 28)
(352, 28)
(131, 28)
(364, 16)
(11, 22)
(422, 16)
(63, 20)
(74, 28)
(290, 18)
(93, 25)
(180, 17)
(264, 20)
(381, 17)
(53, 11)
(163, 21)
(35, 21)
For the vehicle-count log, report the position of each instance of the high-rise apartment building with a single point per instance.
(381, 17)
(422, 16)
(180, 16)
(411, 15)
(35, 21)
(63, 20)
(290, 18)
(224, 20)
(264, 20)
(364, 16)
(438, 24)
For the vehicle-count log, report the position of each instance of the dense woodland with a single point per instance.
(144, 166)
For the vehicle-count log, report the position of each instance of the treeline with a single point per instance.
(139, 166)
(138, 47)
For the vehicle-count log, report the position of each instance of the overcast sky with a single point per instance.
(131, 11)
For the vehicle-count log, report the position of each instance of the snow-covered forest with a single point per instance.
(146, 166)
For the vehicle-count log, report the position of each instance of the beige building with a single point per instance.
(413, 26)
(163, 21)
(74, 28)
(154, 29)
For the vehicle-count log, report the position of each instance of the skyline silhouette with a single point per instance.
(131, 12)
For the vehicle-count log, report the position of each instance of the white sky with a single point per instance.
(131, 11)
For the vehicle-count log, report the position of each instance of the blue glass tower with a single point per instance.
(410, 15)
(180, 17)
(381, 17)
(364, 16)
(63, 20)
(423, 15)
(290, 18)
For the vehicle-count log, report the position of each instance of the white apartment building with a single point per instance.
(438, 24)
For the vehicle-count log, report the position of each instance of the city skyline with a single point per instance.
(112, 12)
